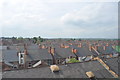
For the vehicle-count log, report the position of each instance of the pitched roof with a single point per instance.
(108, 50)
(76, 70)
(113, 64)
(37, 54)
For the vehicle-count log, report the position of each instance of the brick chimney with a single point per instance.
(25, 50)
(80, 45)
(66, 46)
(107, 44)
(40, 46)
(62, 45)
(90, 47)
(70, 43)
(43, 46)
(98, 44)
(74, 51)
(51, 50)
(96, 47)
(104, 47)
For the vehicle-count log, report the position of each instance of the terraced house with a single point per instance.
(56, 58)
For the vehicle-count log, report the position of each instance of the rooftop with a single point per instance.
(76, 70)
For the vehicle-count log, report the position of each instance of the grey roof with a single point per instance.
(83, 51)
(9, 55)
(33, 46)
(63, 53)
(38, 54)
(108, 50)
(76, 70)
(112, 63)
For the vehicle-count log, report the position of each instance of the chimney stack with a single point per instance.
(25, 50)
(40, 46)
(66, 47)
(107, 44)
(51, 50)
(70, 43)
(80, 45)
(90, 47)
(43, 47)
(96, 47)
(62, 45)
(74, 51)
(104, 47)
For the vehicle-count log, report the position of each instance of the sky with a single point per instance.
(59, 19)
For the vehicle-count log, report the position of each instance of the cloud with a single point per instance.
(94, 14)
(58, 19)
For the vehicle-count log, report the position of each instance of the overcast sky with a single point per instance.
(59, 19)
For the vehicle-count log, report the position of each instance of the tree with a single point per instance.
(35, 39)
(20, 38)
(38, 39)
(13, 39)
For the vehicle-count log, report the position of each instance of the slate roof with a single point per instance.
(83, 51)
(112, 63)
(38, 54)
(108, 50)
(76, 70)
(63, 53)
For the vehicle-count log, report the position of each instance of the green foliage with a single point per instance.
(72, 39)
(73, 60)
(117, 48)
(38, 39)
(79, 39)
(35, 39)
(14, 37)
(20, 38)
